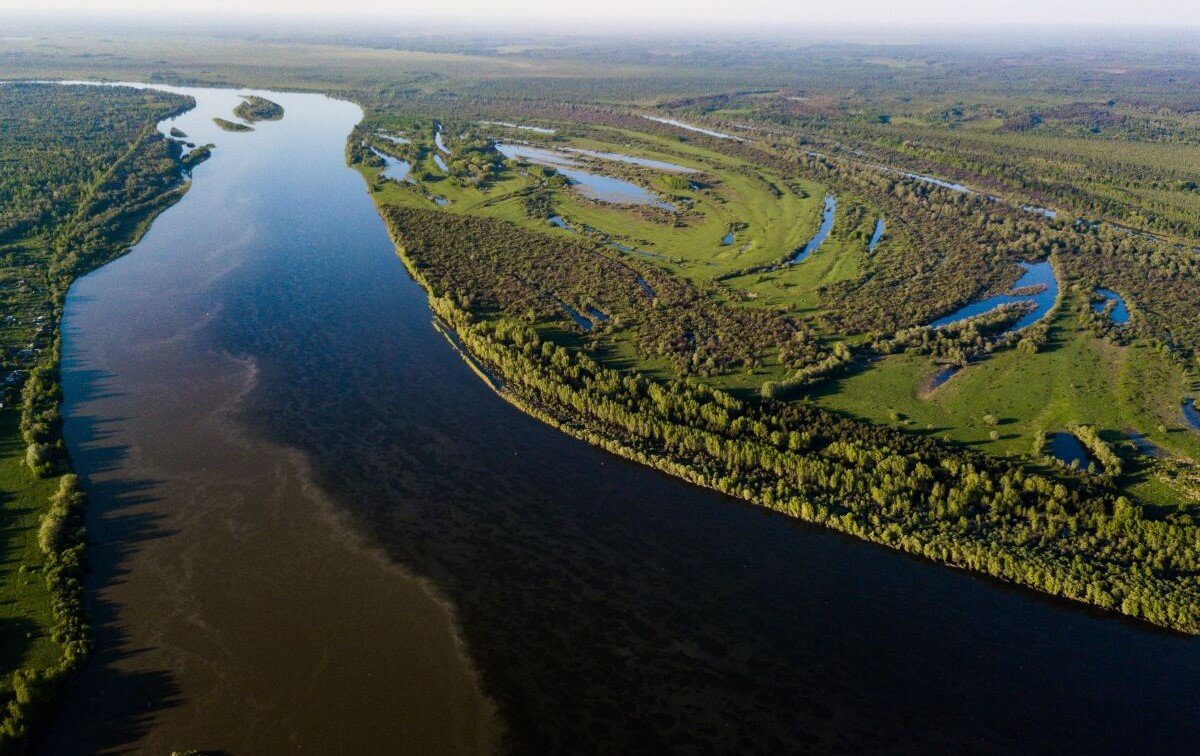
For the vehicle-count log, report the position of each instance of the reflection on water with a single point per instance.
(1038, 278)
(876, 236)
(1119, 313)
(594, 185)
(1191, 414)
(620, 157)
(697, 129)
(828, 210)
(1067, 449)
(394, 168)
(236, 606)
(608, 608)
(536, 129)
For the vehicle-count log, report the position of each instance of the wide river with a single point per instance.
(315, 530)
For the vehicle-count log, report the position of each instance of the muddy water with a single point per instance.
(236, 609)
(258, 399)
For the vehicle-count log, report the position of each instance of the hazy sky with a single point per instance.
(757, 12)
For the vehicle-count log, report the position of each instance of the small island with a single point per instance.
(258, 109)
(231, 126)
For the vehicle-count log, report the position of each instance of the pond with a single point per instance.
(1191, 414)
(393, 139)
(697, 129)
(1067, 449)
(945, 374)
(1119, 313)
(828, 212)
(1039, 276)
(312, 526)
(594, 185)
(394, 168)
(876, 236)
(619, 157)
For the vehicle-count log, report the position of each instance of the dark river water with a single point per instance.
(315, 530)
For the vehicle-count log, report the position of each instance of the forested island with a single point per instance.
(255, 108)
(227, 125)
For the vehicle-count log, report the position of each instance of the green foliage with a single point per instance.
(255, 108)
(85, 170)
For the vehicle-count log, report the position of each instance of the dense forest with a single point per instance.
(84, 172)
(255, 108)
(1075, 538)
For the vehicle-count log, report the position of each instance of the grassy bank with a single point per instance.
(112, 172)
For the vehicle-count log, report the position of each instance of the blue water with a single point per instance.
(645, 286)
(437, 139)
(580, 320)
(594, 185)
(560, 222)
(1035, 274)
(938, 182)
(441, 201)
(1120, 313)
(1051, 214)
(697, 129)
(537, 129)
(727, 239)
(597, 314)
(441, 163)
(621, 157)
(943, 375)
(1191, 414)
(393, 139)
(876, 236)
(827, 217)
(396, 169)
(1066, 448)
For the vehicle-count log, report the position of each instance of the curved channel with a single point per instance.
(312, 524)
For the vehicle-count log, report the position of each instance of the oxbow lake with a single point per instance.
(313, 528)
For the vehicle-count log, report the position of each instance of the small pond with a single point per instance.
(1039, 275)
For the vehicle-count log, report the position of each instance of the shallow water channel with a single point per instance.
(314, 529)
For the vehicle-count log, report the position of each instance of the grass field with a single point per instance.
(25, 611)
(1076, 378)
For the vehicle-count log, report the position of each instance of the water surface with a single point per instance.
(522, 127)
(691, 127)
(1119, 313)
(236, 605)
(594, 185)
(1191, 414)
(1038, 276)
(876, 236)
(394, 168)
(277, 439)
(1067, 449)
(828, 212)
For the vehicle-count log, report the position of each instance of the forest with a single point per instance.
(703, 297)
(84, 173)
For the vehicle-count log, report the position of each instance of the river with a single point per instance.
(316, 530)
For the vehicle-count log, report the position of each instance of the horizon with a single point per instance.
(1169, 16)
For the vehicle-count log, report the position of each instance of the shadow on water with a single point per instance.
(129, 699)
(608, 608)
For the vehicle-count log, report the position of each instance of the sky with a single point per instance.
(740, 12)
